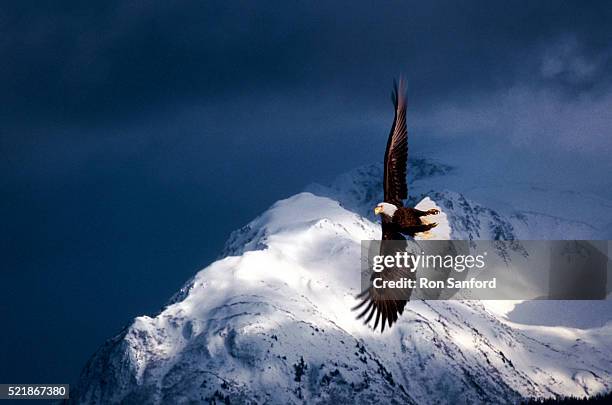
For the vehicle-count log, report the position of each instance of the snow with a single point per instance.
(271, 321)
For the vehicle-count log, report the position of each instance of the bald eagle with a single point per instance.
(397, 221)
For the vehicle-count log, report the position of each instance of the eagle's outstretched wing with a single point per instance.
(396, 154)
(387, 303)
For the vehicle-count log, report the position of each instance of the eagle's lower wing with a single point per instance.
(386, 303)
(396, 154)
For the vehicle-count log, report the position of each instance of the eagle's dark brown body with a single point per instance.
(408, 221)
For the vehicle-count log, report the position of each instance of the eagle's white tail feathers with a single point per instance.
(440, 232)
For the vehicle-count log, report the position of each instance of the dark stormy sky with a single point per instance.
(136, 135)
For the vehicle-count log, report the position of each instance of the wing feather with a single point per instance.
(396, 154)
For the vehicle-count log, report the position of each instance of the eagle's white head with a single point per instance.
(385, 209)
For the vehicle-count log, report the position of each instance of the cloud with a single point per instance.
(99, 62)
(529, 117)
(568, 61)
(547, 108)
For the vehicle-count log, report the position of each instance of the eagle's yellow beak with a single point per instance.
(378, 210)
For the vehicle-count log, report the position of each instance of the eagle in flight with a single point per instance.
(397, 221)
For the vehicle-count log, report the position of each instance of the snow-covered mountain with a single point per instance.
(270, 321)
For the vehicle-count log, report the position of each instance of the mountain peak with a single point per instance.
(270, 322)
